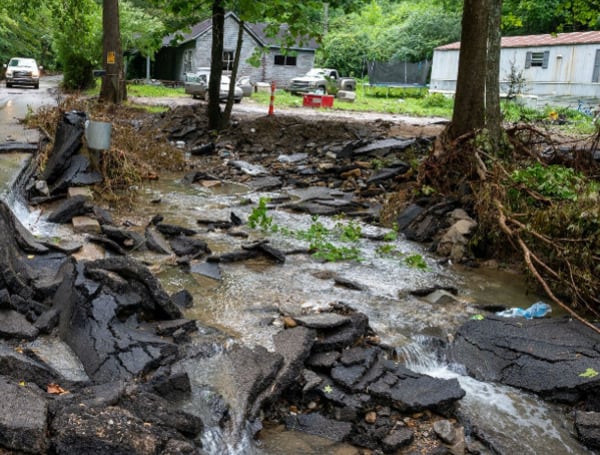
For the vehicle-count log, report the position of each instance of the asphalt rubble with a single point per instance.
(96, 357)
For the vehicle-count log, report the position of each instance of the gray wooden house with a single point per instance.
(562, 64)
(194, 51)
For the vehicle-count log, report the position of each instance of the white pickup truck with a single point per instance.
(318, 80)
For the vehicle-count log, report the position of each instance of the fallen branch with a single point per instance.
(527, 256)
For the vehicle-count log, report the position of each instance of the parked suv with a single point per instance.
(22, 71)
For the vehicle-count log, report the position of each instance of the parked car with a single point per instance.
(245, 83)
(196, 84)
(22, 71)
(318, 80)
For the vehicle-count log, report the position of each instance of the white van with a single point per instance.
(22, 71)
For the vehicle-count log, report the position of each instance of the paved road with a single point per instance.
(16, 102)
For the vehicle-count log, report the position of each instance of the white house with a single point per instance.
(564, 64)
(194, 51)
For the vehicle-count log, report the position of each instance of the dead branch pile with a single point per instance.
(539, 196)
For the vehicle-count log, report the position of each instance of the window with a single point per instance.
(539, 59)
(227, 60)
(187, 60)
(596, 73)
(288, 60)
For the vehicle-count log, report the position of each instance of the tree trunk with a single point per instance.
(493, 119)
(216, 65)
(113, 88)
(234, 71)
(469, 102)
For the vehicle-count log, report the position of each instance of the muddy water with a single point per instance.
(248, 298)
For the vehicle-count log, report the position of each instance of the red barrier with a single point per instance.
(315, 100)
(271, 103)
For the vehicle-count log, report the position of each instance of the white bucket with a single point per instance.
(97, 135)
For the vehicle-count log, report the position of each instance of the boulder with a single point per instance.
(556, 358)
(23, 418)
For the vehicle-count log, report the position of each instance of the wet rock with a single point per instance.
(171, 230)
(207, 269)
(23, 416)
(410, 391)
(151, 408)
(441, 297)
(183, 299)
(96, 300)
(254, 370)
(69, 208)
(349, 284)
(77, 173)
(67, 143)
(323, 321)
(397, 438)
(156, 242)
(249, 168)
(103, 216)
(204, 149)
(167, 328)
(47, 321)
(265, 183)
(189, 247)
(389, 173)
(107, 243)
(267, 250)
(384, 147)
(318, 425)
(173, 387)
(587, 425)
(250, 251)
(85, 225)
(107, 430)
(15, 325)
(345, 335)
(127, 239)
(20, 367)
(13, 146)
(323, 360)
(454, 242)
(426, 225)
(531, 354)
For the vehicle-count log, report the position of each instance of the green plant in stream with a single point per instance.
(258, 218)
(416, 261)
(348, 232)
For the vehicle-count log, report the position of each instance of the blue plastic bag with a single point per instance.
(537, 310)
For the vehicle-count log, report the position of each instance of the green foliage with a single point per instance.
(416, 261)
(154, 91)
(589, 373)
(522, 17)
(258, 218)
(365, 102)
(553, 181)
(385, 31)
(349, 232)
(438, 100)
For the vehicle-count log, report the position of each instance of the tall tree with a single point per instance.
(476, 103)
(215, 121)
(113, 88)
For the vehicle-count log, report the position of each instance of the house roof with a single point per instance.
(557, 39)
(258, 31)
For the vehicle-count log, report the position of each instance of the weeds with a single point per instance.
(323, 241)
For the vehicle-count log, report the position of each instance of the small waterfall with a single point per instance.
(512, 420)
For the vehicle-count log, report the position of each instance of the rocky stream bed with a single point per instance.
(96, 357)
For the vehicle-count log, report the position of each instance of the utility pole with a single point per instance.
(113, 89)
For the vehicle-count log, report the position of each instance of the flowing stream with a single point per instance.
(249, 296)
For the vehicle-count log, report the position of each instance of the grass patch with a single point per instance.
(154, 91)
(435, 105)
